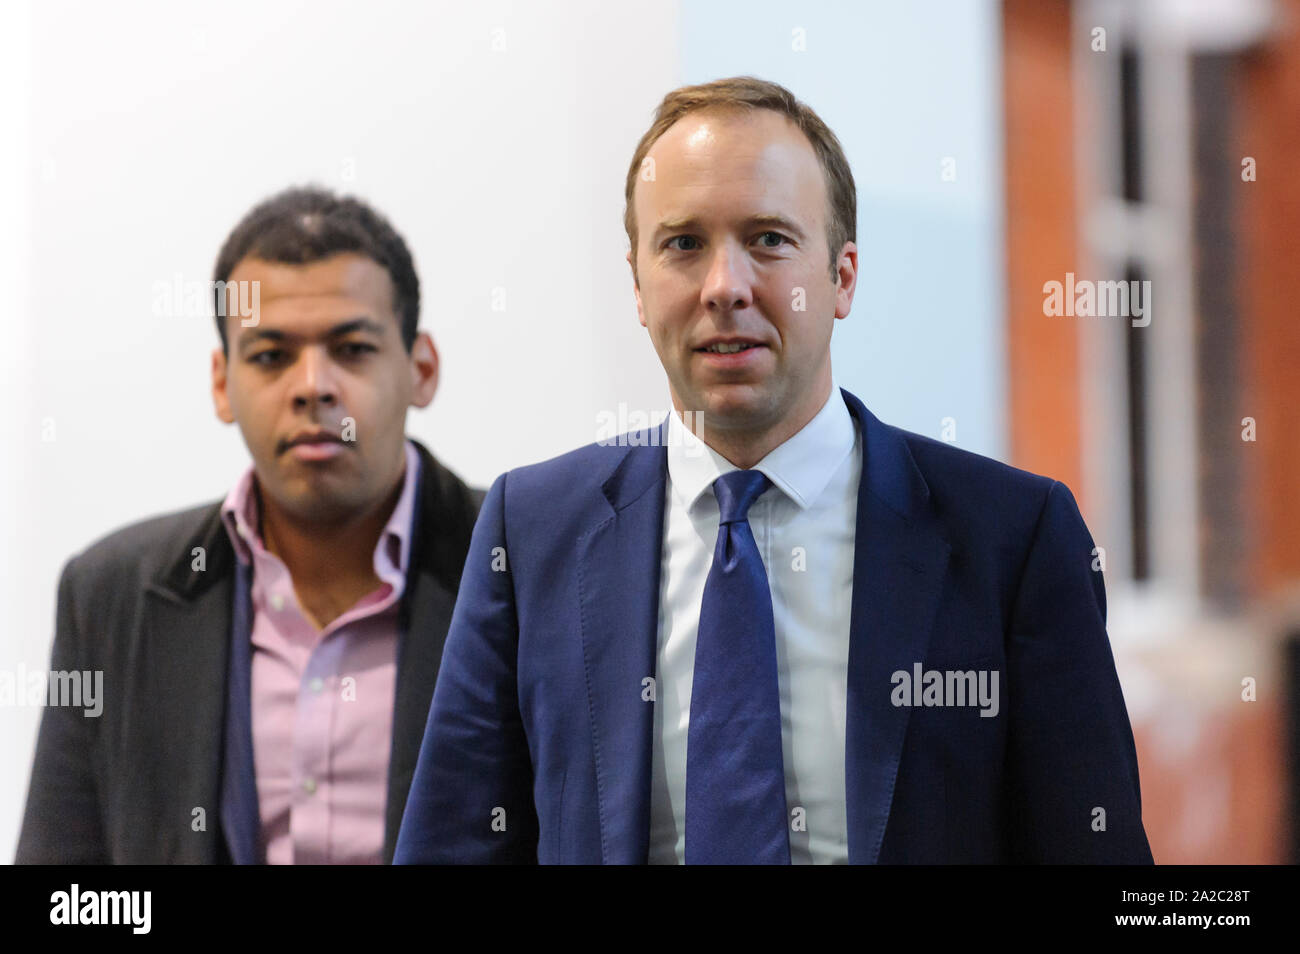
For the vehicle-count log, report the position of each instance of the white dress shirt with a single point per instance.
(804, 525)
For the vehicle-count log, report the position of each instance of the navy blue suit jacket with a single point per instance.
(538, 745)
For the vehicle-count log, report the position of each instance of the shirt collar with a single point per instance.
(801, 467)
(239, 513)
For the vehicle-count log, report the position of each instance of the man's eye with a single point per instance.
(268, 357)
(693, 244)
(355, 349)
(772, 235)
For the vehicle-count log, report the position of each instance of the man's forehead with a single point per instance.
(757, 156)
(732, 134)
(727, 115)
(313, 300)
(346, 275)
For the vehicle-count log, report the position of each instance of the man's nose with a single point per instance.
(316, 382)
(728, 286)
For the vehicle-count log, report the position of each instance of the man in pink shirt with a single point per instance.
(268, 660)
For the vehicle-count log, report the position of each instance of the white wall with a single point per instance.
(26, 593)
(904, 85)
(155, 126)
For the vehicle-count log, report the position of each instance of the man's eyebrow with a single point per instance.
(675, 225)
(771, 220)
(249, 338)
(369, 325)
(777, 221)
(355, 324)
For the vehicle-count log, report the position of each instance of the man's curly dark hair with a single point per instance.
(306, 224)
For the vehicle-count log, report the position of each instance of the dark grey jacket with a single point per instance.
(121, 788)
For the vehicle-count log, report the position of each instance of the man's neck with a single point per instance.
(331, 563)
(744, 449)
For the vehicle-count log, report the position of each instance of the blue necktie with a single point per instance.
(735, 777)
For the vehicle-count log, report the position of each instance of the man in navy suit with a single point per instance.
(772, 629)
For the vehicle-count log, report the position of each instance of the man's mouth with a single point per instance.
(730, 354)
(320, 445)
(728, 348)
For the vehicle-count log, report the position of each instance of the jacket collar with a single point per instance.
(441, 556)
(889, 473)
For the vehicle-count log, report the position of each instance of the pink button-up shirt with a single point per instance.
(322, 700)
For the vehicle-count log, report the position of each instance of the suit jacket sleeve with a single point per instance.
(1070, 750)
(471, 797)
(62, 823)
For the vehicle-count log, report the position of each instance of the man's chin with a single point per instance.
(738, 407)
(315, 495)
(321, 509)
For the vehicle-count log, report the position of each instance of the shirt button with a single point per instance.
(277, 602)
(316, 684)
(309, 785)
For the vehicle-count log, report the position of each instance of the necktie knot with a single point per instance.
(736, 491)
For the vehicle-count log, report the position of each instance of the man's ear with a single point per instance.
(847, 273)
(220, 398)
(424, 370)
(636, 290)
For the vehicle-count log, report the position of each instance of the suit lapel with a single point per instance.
(441, 527)
(618, 585)
(241, 819)
(182, 673)
(899, 565)
(419, 655)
